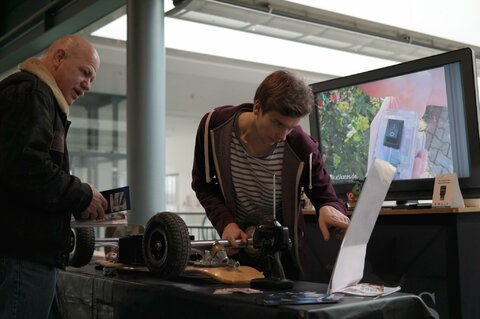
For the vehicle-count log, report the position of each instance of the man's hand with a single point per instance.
(231, 233)
(96, 208)
(330, 216)
(419, 163)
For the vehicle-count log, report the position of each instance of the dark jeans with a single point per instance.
(27, 289)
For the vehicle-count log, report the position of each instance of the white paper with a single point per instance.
(112, 219)
(350, 262)
(446, 191)
(369, 290)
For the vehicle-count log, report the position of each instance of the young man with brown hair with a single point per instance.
(250, 156)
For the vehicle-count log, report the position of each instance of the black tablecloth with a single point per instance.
(88, 293)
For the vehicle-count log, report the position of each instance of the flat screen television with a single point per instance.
(421, 116)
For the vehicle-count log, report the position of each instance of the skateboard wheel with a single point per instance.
(166, 245)
(82, 245)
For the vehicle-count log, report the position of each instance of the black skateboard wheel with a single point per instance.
(82, 245)
(166, 245)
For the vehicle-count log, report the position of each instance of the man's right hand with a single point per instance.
(231, 233)
(96, 208)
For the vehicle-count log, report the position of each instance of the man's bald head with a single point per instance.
(74, 63)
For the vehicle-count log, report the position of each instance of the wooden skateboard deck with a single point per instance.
(115, 265)
(239, 276)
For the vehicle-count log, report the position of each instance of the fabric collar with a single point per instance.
(36, 67)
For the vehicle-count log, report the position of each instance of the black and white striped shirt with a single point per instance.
(253, 179)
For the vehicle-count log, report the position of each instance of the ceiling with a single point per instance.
(196, 82)
(284, 19)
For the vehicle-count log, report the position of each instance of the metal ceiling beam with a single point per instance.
(401, 40)
(56, 22)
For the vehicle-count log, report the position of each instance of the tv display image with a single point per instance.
(421, 116)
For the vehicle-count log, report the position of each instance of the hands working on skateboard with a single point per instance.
(232, 232)
(328, 217)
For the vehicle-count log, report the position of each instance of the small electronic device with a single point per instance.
(397, 142)
(393, 133)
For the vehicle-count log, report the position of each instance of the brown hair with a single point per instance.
(285, 93)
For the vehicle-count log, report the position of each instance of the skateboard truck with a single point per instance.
(215, 257)
(268, 239)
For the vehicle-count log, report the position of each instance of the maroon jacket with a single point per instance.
(303, 166)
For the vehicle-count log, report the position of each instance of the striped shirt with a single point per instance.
(253, 180)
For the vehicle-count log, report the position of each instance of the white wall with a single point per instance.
(180, 147)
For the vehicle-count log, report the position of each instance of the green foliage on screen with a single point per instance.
(345, 116)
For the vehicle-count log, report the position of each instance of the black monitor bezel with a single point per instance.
(419, 189)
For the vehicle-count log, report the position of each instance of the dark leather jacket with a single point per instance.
(37, 193)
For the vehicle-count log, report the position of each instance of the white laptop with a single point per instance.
(349, 266)
(348, 270)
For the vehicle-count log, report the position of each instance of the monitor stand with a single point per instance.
(410, 204)
(406, 202)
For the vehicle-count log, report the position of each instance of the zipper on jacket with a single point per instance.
(295, 220)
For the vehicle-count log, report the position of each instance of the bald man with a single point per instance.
(38, 195)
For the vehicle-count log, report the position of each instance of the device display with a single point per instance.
(421, 116)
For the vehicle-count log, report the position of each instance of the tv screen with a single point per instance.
(421, 116)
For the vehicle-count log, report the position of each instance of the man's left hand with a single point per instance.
(330, 216)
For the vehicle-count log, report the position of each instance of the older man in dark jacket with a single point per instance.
(37, 193)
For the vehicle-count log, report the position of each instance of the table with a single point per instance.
(432, 253)
(87, 293)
